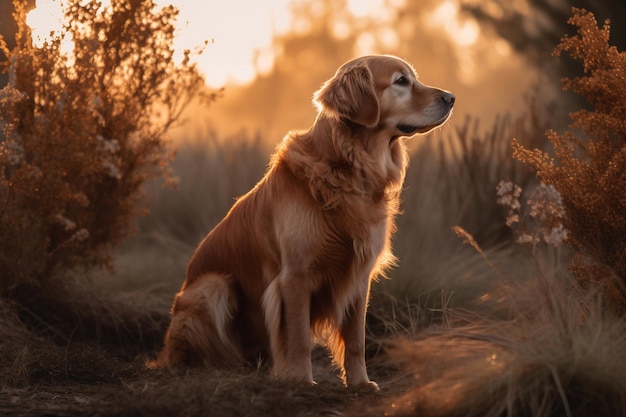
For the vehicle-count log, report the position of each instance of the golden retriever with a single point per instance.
(292, 262)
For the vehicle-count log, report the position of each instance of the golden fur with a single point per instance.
(293, 260)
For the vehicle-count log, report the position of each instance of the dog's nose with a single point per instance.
(448, 98)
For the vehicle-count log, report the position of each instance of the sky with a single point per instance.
(238, 33)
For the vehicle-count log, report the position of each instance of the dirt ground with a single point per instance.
(100, 385)
(95, 366)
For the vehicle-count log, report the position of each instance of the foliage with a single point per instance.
(591, 173)
(517, 342)
(82, 131)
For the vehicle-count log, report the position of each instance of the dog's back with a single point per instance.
(297, 254)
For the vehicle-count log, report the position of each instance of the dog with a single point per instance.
(292, 262)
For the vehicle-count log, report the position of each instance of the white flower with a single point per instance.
(508, 194)
(511, 219)
(525, 238)
(508, 197)
(82, 234)
(504, 187)
(109, 145)
(545, 203)
(555, 236)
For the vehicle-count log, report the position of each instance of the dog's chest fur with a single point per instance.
(340, 245)
(340, 256)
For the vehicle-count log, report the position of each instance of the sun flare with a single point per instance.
(238, 34)
(44, 20)
(461, 32)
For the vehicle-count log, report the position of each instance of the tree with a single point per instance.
(82, 132)
(535, 27)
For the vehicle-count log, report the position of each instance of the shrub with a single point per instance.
(81, 132)
(590, 173)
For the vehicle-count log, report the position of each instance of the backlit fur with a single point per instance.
(292, 262)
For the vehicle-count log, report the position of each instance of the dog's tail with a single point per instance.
(201, 332)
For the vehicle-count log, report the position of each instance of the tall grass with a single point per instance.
(556, 354)
(487, 329)
(455, 310)
(498, 331)
(558, 347)
(211, 173)
(452, 181)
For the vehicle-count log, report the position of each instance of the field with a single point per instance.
(490, 328)
(508, 299)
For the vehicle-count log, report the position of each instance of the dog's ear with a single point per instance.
(351, 94)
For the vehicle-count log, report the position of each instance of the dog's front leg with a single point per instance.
(297, 305)
(353, 332)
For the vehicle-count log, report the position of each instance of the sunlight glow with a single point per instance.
(341, 29)
(383, 36)
(238, 33)
(361, 8)
(462, 32)
(44, 19)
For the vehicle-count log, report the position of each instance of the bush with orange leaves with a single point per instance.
(590, 173)
(81, 133)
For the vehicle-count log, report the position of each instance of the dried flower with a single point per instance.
(589, 173)
(527, 238)
(556, 235)
(545, 205)
(508, 197)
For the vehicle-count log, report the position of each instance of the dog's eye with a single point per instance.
(401, 80)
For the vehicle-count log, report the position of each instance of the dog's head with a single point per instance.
(383, 92)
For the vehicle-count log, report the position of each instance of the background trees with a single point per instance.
(82, 132)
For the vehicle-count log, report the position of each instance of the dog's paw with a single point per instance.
(370, 385)
(365, 386)
(296, 377)
(304, 381)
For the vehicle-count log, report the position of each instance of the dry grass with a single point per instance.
(558, 354)
(443, 316)
(449, 335)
